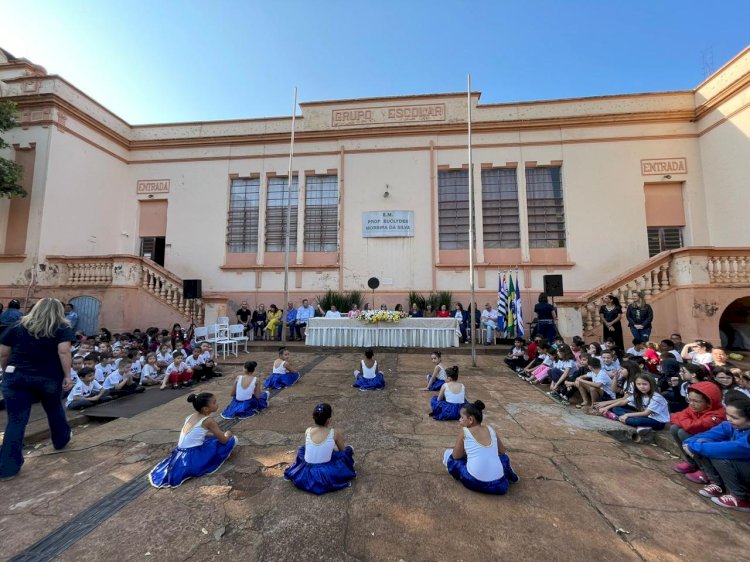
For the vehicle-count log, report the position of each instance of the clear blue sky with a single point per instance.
(168, 60)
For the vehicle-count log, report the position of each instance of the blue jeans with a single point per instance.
(643, 334)
(19, 391)
(638, 422)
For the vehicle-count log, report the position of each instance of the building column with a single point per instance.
(301, 188)
(262, 219)
(478, 213)
(523, 217)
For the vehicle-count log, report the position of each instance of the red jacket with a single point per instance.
(698, 422)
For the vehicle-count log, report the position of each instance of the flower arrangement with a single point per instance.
(375, 316)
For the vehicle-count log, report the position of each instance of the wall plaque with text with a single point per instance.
(387, 115)
(146, 187)
(660, 166)
(387, 224)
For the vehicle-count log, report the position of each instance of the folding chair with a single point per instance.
(237, 333)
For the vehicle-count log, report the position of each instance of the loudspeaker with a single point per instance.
(191, 288)
(373, 283)
(553, 285)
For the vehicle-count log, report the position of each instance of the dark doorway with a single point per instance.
(153, 249)
(734, 325)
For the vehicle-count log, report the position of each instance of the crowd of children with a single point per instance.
(111, 366)
(694, 387)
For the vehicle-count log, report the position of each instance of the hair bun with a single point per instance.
(479, 405)
(191, 397)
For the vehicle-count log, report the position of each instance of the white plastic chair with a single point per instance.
(211, 335)
(237, 333)
(200, 334)
(224, 342)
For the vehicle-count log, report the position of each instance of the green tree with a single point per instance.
(10, 171)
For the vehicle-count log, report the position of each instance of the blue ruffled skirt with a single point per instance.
(445, 411)
(321, 478)
(193, 462)
(375, 383)
(457, 469)
(279, 380)
(245, 408)
(436, 385)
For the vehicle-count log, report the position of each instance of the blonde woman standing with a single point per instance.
(35, 354)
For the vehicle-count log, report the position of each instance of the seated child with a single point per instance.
(652, 357)
(704, 412)
(517, 358)
(283, 373)
(563, 368)
(743, 382)
(104, 367)
(86, 392)
(452, 397)
(437, 378)
(324, 463)
(677, 395)
(595, 386)
(196, 362)
(543, 350)
(197, 453)
(541, 373)
(164, 357)
(76, 365)
(566, 390)
(478, 458)
(368, 377)
(724, 377)
(247, 399)
(120, 382)
(177, 373)
(723, 454)
(210, 367)
(646, 409)
(150, 371)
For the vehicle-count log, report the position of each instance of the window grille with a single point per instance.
(501, 226)
(661, 239)
(453, 209)
(321, 213)
(276, 213)
(242, 219)
(545, 208)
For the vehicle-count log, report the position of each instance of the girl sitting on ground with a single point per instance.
(724, 377)
(704, 412)
(743, 383)
(723, 454)
(652, 357)
(324, 463)
(478, 458)
(594, 350)
(447, 405)
(438, 377)
(368, 376)
(247, 399)
(197, 453)
(677, 395)
(698, 353)
(283, 374)
(541, 373)
(646, 409)
(564, 367)
(628, 373)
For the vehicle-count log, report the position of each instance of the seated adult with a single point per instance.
(332, 313)
(258, 321)
(354, 312)
(244, 314)
(414, 312)
(291, 319)
(429, 312)
(443, 312)
(304, 313)
(489, 323)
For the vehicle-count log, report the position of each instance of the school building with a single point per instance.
(615, 193)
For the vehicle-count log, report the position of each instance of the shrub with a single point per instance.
(343, 301)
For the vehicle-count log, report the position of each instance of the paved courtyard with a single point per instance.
(582, 494)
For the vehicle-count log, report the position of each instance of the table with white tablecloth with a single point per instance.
(434, 333)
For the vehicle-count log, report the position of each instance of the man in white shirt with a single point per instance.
(489, 323)
(333, 313)
(304, 313)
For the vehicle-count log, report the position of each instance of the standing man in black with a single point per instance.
(243, 316)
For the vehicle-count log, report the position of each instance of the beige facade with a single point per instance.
(619, 157)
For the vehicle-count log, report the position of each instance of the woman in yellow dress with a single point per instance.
(273, 327)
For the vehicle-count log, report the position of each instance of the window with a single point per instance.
(500, 208)
(276, 212)
(321, 213)
(242, 220)
(544, 200)
(453, 209)
(661, 239)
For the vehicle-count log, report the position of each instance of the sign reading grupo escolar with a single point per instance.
(387, 224)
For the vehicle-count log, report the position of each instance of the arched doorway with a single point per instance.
(734, 325)
(88, 314)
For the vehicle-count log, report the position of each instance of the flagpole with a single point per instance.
(472, 305)
(288, 225)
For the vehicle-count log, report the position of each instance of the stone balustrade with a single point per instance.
(123, 271)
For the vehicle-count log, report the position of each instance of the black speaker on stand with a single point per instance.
(373, 283)
(192, 289)
(553, 285)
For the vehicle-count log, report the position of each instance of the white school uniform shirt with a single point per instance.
(701, 358)
(611, 369)
(565, 364)
(206, 357)
(101, 372)
(149, 373)
(82, 390)
(657, 405)
(546, 360)
(633, 351)
(136, 369)
(677, 355)
(518, 351)
(172, 368)
(333, 314)
(193, 361)
(73, 375)
(183, 352)
(112, 380)
(164, 358)
(603, 378)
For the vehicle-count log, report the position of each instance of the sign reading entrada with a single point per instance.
(663, 166)
(387, 115)
(144, 187)
(387, 224)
